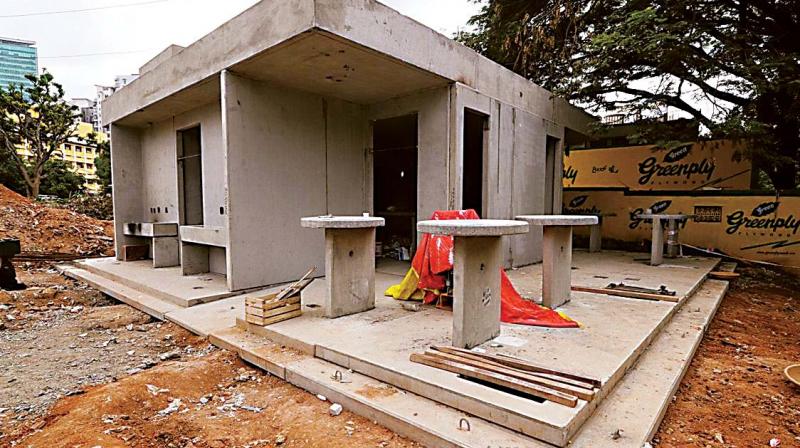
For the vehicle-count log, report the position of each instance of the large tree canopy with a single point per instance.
(732, 65)
(38, 118)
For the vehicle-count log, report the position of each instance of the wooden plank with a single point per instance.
(260, 312)
(579, 392)
(271, 320)
(496, 379)
(549, 376)
(520, 364)
(272, 303)
(297, 286)
(723, 275)
(628, 294)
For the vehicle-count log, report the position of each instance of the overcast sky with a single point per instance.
(82, 49)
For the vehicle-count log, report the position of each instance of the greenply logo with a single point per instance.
(574, 206)
(570, 174)
(758, 219)
(658, 207)
(670, 166)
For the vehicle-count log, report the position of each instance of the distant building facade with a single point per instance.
(104, 92)
(17, 59)
(79, 156)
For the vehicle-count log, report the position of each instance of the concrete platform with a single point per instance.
(167, 284)
(615, 331)
(425, 404)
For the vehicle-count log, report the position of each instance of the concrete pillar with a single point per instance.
(165, 252)
(350, 271)
(657, 249)
(194, 259)
(673, 242)
(595, 238)
(476, 289)
(126, 177)
(556, 265)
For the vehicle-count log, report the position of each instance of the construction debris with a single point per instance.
(44, 230)
(277, 307)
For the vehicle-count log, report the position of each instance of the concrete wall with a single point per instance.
(160, 171)
(289, 154)
(127, 179)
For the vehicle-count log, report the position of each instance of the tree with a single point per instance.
(38, 118)
(58, 180)
(740, 58)
(10, 177)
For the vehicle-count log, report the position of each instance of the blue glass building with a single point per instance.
(17, 59)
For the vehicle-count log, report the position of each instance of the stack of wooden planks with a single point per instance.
(511, 373)
(277, 307)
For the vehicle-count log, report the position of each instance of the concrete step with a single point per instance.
(638, 403)
(146, 303)
(408, 414)
(136, 286)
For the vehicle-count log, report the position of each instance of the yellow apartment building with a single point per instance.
(79, 156)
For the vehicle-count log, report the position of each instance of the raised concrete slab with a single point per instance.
(638, 404)
(473, 227)
(146, 303)
(342, 222)
(378, 343)
(558, 220)
(206, 235)
(166, 284)
(150, 229)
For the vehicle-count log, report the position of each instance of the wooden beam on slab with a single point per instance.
(497, 379)
(579, 392)
(628, 294)
(520, 364)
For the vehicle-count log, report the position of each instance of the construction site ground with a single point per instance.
(80, 370)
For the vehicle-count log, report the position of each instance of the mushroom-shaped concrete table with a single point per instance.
(557, 254)
(349, 262)
(477, 260)
(673, 244)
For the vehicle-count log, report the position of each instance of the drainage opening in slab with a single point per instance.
(507, 390)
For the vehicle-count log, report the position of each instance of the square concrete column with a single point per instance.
(596, 238)
(349, 262)
(657, 246)
(557, 254)
(477, 260)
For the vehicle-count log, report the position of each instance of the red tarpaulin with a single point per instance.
(426, 280)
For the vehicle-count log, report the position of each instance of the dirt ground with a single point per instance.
(78, 370)
(735, 394)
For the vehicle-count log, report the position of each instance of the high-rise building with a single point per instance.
(17, 59)
(104, 92)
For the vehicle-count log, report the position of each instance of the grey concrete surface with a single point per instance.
(473, 227)
(350, 268)
(476, 290)
(558, 220)
(342, 222)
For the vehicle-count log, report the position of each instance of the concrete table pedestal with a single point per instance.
(557, 254)
(673, 242)
(477, 260)
(349, 262)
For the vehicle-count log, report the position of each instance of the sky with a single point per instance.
(85, 48)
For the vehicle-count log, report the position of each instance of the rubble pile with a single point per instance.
(46, 230)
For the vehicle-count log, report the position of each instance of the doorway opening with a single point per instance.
(551, 176)
(476, 139)
(394, 143)
(190, 177)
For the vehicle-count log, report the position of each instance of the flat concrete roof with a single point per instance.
(402, 53)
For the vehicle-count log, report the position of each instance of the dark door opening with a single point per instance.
(394, 142)
(476, 127)
(190, 177)
(550, 176)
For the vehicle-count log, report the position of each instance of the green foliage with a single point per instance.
(57, 180)
(740, 58)
(10, 177)
(38, 117)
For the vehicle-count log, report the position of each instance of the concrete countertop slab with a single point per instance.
(342, 222)
(659, 216)
(150, 229)
(560, 220)
(206, 235)
(473, 227)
